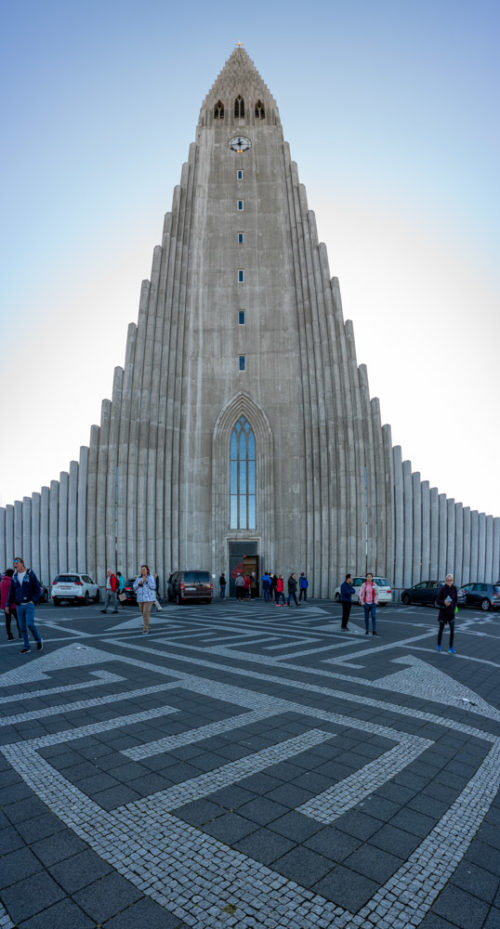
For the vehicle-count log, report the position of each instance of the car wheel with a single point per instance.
(179, 600)
(485, 604)
(337, 597)
(97, 597)
(86, 598)
(56, 601)
(406, 600)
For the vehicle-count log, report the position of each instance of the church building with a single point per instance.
(241, 428)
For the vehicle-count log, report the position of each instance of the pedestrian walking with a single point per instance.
(346, 592)
(303, 585)
(447, 602)
(280, 591)
(222, 586)
(111, 589)
(368, 597)
(292, 588)
(274, 584)
(11, 614)
(121, 596)
(24, 593)
(145, 589)
(157, 589)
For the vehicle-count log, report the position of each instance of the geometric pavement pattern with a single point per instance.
(242, 767)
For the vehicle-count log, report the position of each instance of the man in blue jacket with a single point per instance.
(25, 591)
(346, 592)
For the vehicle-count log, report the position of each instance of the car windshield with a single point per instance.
(381, 581)
(497, 588)
(66, 579)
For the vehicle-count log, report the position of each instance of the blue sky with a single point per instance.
(391, 112)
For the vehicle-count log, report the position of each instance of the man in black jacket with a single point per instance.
(25, 591)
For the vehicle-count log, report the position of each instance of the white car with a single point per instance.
(383, 589)
(77, 587)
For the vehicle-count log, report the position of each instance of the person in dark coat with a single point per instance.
(447, 602)
(346, 592)
(5, 585)
(292, 588)
(24, 593)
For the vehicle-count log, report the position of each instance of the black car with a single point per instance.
(425, 592)
(184, 586)
(482, 596)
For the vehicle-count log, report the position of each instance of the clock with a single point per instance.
(240, 143)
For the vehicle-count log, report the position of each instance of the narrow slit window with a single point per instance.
(219, 110)
(242, 362)
(241, 276)
(242, 476)
(239, 107)
(241, 238)
(241, 205)
(241, 318)
(239, 175)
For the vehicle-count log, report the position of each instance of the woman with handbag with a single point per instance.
(145, 589)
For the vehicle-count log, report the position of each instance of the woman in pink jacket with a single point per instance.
(368, 596)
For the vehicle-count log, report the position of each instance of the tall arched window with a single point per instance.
(239, 107)
(219, 110)
(242, 479)
(259, 110)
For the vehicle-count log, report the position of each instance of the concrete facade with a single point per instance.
(157, 482)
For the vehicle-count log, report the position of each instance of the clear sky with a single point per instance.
(391, 111)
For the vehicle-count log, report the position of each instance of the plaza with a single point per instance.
(244, 766)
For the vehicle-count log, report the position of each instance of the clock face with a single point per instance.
(240, 144)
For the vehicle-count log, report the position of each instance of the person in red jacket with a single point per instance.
(5, 585)
(111, 589)
(368, 597)
(280, 591)
(248, 584)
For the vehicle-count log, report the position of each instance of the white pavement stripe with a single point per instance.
(332, 803)
(137, 752)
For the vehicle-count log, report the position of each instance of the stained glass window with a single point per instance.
(242, 476)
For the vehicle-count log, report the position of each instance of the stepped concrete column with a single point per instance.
(417, 527)
(474, 545)
(496, 549)
(466, 555)
(443, 539)
(450, 542)
(434, 531)
(81, 517)
(488, 570)
(44, 536)
(459, 543)
(26, 531)
(426, 530)
(18, 528)
(398, 518)
(9, 535)
(53, 528)
(72, 515)
(408, 524)
(481, 556)
(62, 522)
(3, 558)
(35, 535)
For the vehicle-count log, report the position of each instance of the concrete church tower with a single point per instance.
(241, 425)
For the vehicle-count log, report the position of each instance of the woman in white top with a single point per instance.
(145, 589)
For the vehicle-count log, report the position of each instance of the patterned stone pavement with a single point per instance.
(244, 766)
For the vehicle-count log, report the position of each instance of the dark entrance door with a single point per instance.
(243, 557)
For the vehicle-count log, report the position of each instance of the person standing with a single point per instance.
(222, 586)
(5, 585)
(247, 583)
(24, 592)
(447, 602)
(266, 586)
(121, 587)
(157, 590)
(292, 588)
(111, 589)
(346, 592)
(239, 584)
(303, 585)
(145, 589)
(368, 597)
(274, 585)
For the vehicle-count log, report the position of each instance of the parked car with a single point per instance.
(426, 592)
(482, 596)
(185, 586)
(44, 596)
(79, 588)
(383, 589)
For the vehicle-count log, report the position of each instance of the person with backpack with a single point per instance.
(25, 592)
(111, 590)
